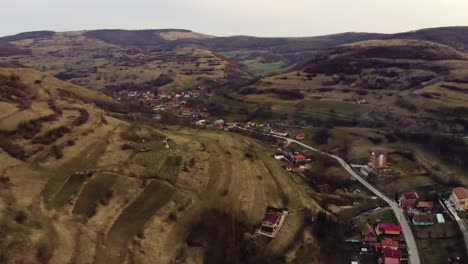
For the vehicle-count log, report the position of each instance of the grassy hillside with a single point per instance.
(76, 187)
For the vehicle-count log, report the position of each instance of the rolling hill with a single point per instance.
(80, 183)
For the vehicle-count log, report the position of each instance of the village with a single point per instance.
(378, 237)
(161, 102)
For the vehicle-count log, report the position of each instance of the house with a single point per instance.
(293, 168)
(460, 198)
(300, 136)
(200, 122)
(388, 229)
(389, 243)
(422, 219)
(361, 100)
(219, 123)
(368, 234)
(299, 158)
(425, 205)
(408, 200)
(391, 256)
(378, 159)
(272, 223)
(279, 156)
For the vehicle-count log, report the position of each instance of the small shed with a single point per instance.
(440, 218)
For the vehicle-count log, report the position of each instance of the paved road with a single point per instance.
(407, 232)
(411, 244)
(461, 223)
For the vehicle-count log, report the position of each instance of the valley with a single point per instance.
(161, 146)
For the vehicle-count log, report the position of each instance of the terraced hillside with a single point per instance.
(80, 186)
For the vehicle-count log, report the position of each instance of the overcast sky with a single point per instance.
(234, 17)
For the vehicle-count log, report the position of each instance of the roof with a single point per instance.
(388, 227)
(388, 242)
(440, 218)
(379, 152)
(219, 121)
(367, 230)
(271, 218)
(301, 135)
(425, 204)
(461, 193)
(391, 253)
(370, 239)
(391, 261)
(408, 203)
(423, 218)
(409, 195)
(299, 156)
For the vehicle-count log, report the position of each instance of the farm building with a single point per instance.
(388, 229)
(378, 159)
(460, 198)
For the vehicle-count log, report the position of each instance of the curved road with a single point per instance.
(411, 244)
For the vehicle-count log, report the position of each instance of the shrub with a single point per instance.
(51, 136)
(57, 152)
(405, 104)
(21, 217)
(321, 136)
(82, 119)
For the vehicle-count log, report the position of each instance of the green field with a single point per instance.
(259, 68)
(69, 189)
(83, 161)
(93, 192)
(386, 216)
(170, 168)
(153, 159)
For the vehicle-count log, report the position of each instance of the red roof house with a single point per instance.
(409, 200)
(270, 219)
(389, 243)
(391, 256)
(389, 229)
(301, 136)
(299, 157)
